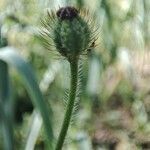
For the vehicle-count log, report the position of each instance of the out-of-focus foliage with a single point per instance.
(114, 110)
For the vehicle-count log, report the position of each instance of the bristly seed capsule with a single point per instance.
(67, 13)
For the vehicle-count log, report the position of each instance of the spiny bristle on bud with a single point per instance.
(69, 30)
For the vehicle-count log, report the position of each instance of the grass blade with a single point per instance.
(26, 73)
(36, 121)
(5, 107)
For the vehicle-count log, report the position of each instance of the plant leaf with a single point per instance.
(6, 107)
(9, 55)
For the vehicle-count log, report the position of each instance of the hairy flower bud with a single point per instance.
(69, 31)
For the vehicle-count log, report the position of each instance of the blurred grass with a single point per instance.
(6, 107)
(9, 56)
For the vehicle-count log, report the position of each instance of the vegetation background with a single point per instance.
(114, 109)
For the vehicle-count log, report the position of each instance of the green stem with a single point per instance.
(70, 105)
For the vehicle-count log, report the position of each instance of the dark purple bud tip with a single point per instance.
(67, 13)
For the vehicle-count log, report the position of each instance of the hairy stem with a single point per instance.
(70, 105)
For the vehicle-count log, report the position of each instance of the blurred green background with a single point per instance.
(114, 109)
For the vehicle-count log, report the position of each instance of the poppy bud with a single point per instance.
(70, 32)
